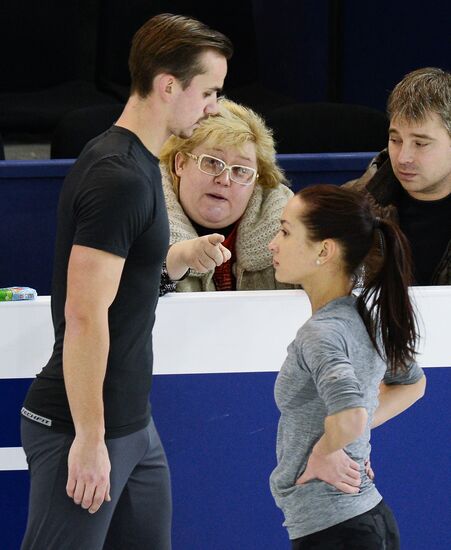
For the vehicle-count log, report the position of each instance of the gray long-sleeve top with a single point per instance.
(331, 366)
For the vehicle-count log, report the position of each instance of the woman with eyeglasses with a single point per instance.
(350, 368)
(224, 180)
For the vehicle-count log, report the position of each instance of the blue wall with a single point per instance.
(219, 434)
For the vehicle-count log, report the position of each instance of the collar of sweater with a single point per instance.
(384, 186)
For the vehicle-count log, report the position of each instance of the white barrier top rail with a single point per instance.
(214, 332)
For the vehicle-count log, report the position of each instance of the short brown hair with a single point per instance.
(421, 93)
(233, 126)
(173, 44)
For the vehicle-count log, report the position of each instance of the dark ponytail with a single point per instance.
(384, 302)
(378, 250)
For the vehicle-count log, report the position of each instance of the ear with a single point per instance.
(328, 250)
(179, 163)
(166, 86)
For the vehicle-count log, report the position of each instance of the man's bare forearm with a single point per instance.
(86, 345)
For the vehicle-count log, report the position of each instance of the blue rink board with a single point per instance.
(219, 434)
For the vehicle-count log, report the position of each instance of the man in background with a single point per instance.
(411, 182)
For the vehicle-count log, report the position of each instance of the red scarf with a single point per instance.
(223, 276)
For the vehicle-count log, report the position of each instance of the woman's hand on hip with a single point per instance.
(335, 468)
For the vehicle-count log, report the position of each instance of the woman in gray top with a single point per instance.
(350, 368)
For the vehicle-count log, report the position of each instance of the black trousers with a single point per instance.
(374, 530)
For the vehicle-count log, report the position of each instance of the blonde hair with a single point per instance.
(421, 93)
(233, 126)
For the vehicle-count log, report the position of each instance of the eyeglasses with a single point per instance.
(243, 175)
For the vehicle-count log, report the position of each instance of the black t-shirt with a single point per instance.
(427, 225)
(111, 200)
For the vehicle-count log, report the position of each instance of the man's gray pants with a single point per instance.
(138, 516)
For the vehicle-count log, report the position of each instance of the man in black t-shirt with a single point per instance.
(411, 182)
(90, 442)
